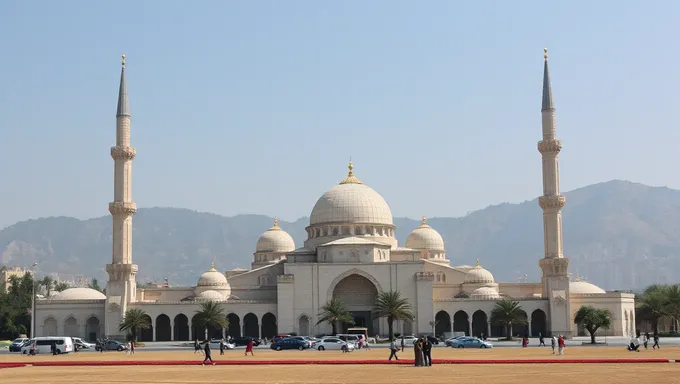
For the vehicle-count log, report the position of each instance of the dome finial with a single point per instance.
(212, 266)
(276, 225)
(545, 53)
(424, 220)
(122, 57)
(477, 263)
(351, 179)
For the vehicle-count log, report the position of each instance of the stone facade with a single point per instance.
(350, 254)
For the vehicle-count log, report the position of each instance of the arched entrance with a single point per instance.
(234, 330)
(197, 332)
(163, 329)
(479, 324)
(268, 325)
(50, 327)
(460, 323)
(539, 323)
(303, 325)
(181, 328)
(359, 294)
(521, 330)
(146, 334)
(250, 326)
(71, 327)
(442, 323)
(92, 329)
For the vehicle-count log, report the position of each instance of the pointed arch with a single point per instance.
(71, 327)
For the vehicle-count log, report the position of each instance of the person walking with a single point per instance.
(560, 344)
(402, 343)
(393, 350)
(553, 342)
(222, 346)
(427, 352)
(541, 340)
(249, 348)
(656, 341)
(197, 347)
(207, 353)
(132, 347)
(645, 341)
(128, 348)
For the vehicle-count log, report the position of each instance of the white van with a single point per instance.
(44, 345)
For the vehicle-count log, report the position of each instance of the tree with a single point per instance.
(653, 305)
(391, 305)
(592, 319)
(94, 284)
(133, 320)
(333, 312)
(506, 313)
(48, 283)
(211, 315)
(61, 286)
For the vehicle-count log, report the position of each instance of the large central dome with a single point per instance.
(350, 202)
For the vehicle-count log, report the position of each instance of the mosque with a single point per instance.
(351, 254)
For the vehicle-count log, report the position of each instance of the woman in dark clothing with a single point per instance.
(418, 350)
(208, 353)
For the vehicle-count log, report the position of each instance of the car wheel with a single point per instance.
(120, 349)
(58, 352)
(460, 346)
(25, 353)
(301, 348)
(321, 348)
(278, 347)
(344, 348)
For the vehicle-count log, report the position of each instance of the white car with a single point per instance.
(334, 344)
(408, 340)
(215, 344)
(82, 343)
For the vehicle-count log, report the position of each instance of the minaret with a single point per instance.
(554, 265)
(121, 287)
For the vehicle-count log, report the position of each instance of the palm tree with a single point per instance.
(391, 305)
(507, 313)
(333, 312)
(133, 320)
(592, 319)
(48, 283)
(211, 314)
(653, 305)
(61, 286)
(94, 284)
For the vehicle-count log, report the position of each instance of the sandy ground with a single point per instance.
(372, 374)
(376, 353)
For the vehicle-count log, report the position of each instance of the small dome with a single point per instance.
(424, 237)
(349, 202)
(275, 240)
(212, 278)
(79, 294)
(478, 275)
(484, 293)
(583, 287)
(209, 295)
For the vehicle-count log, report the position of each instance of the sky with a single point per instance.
(256, 106)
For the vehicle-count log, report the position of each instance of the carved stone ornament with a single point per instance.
(122, 208)
(285, 278)
(559, 297)
(425, 276)
(552, 202)
(354, 254)
(550, 146)
(123, 153)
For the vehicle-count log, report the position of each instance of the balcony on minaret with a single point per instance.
(125, 208)
(123, 152)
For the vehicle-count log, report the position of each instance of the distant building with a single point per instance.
(351, 254)
(7, 273)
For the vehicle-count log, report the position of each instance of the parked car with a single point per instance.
(16, 344)
(242, 341)
(334, 344)
(471, 342)
(408, 340)
(433, 340)
(215, 343)
(450, 341)
(279, 338)
(310, 342)
(289, 343)
(82, 344)
(111, 345)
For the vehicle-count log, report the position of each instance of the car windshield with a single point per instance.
(19, 340)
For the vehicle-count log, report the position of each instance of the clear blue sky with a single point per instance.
(256, 106)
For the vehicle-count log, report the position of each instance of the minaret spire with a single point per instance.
(121, 288)
(554, 265)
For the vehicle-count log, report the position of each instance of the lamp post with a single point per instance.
(33, 300)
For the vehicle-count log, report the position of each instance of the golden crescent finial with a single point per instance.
(122, 59)
(477, 262)
(212, 266)
(545, 53)
(424, 220)
(276, 222)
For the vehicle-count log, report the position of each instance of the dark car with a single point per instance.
(17, 344)
(111, 345)
(278, 338)
(289, 344)
(433, 340)
(245, 340)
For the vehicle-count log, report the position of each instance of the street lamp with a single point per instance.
(33, 300)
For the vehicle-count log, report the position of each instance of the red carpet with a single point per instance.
(327, 362)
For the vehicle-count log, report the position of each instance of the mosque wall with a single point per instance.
(621, 305)
(75, 318)
(520, 290)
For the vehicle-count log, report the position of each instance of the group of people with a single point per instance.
(422, 349)
(634, 345)
(207, 350)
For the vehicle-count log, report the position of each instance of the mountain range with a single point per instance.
(618, 235)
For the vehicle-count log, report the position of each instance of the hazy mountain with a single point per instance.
(619, 235)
